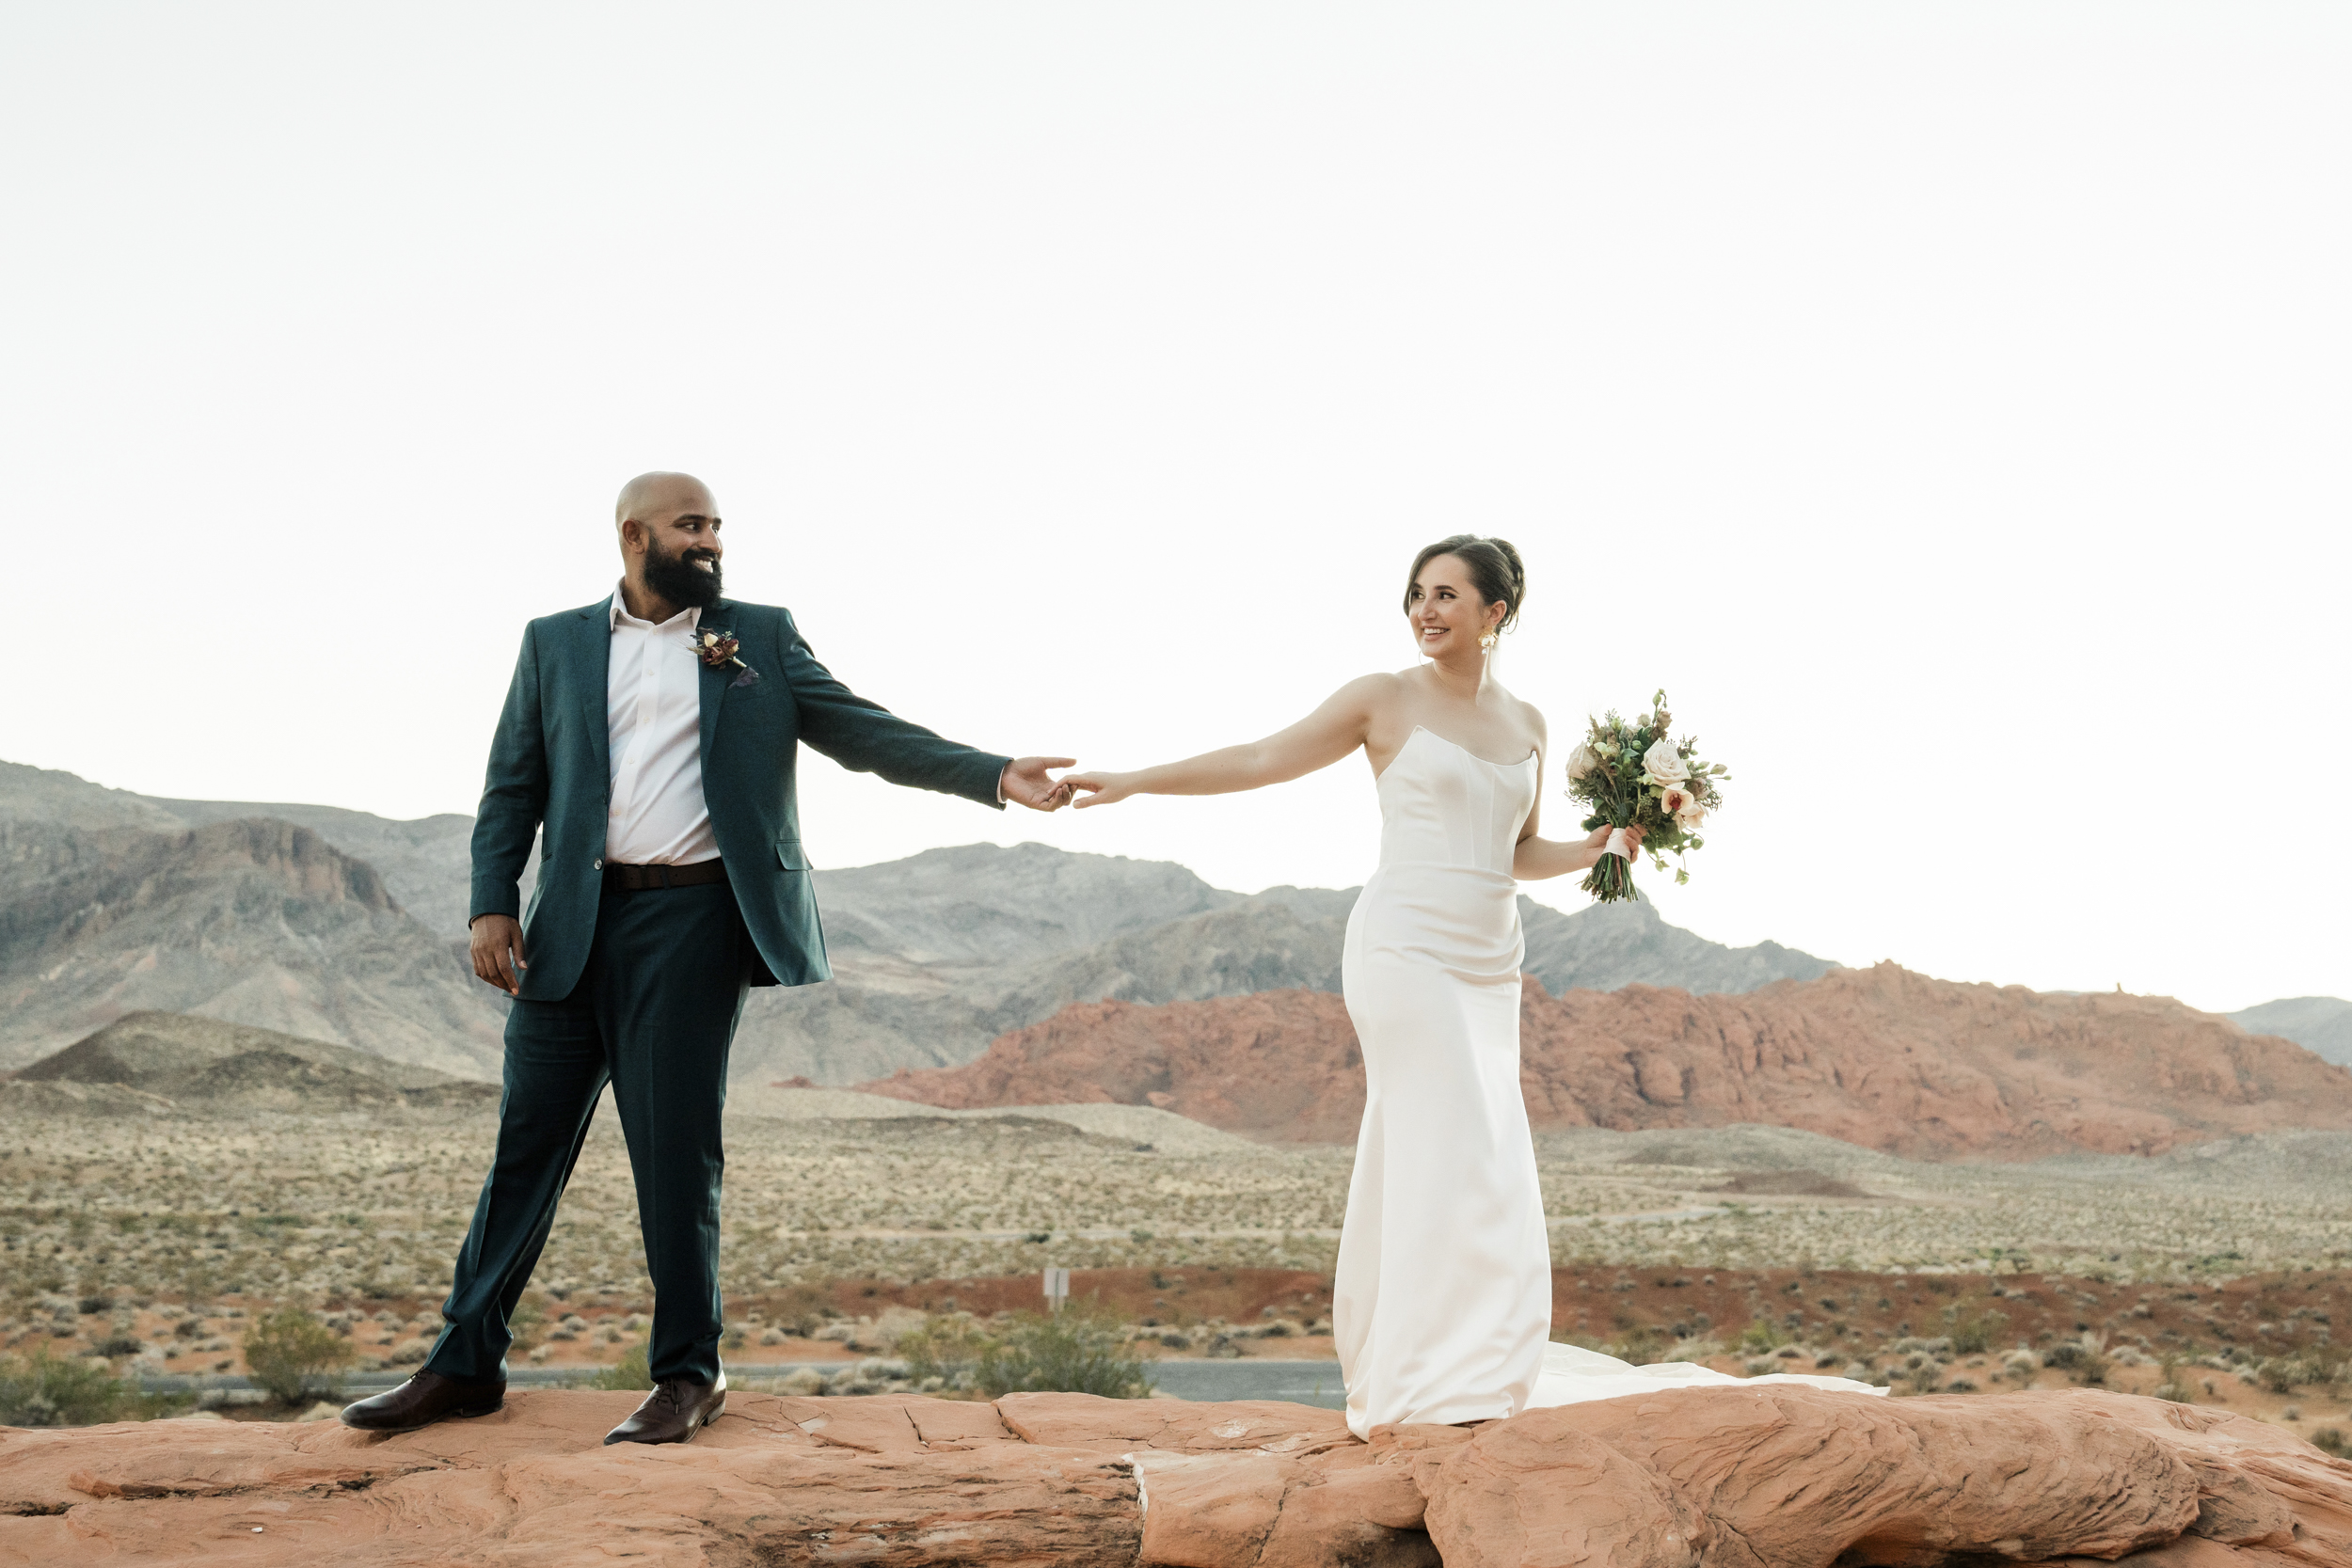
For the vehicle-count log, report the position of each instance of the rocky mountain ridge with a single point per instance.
(1881, 1058)
(2320, 1025)
(339, 925)
(342, 926)
(159, 1062)
(110, 905)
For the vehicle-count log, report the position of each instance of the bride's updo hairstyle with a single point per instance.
(1494, 569)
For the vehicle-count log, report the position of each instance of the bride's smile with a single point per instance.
(1444, 620)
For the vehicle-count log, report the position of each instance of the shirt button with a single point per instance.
(598, 866)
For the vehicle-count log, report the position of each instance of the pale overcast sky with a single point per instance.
(1946, 403)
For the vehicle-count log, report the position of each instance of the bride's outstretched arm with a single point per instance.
(1318, 740)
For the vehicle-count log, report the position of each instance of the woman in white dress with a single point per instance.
(1443, 1304)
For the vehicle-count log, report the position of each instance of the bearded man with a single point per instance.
(653, 735)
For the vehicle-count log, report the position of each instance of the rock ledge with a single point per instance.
(1734, 1477)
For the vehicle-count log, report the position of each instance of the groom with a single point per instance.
(653, 736)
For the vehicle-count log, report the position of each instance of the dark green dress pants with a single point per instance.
(653, 1014)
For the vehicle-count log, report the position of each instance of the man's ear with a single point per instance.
(634, 536)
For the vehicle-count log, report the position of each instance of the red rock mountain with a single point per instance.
(1880, 1057)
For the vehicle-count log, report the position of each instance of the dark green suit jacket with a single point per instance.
(549, 765)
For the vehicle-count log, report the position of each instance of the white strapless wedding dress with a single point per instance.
(1443, 1304)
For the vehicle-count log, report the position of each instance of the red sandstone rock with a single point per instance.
(1774, 1477)
(1880, 1057)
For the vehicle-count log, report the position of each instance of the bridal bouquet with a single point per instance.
(1630, 773)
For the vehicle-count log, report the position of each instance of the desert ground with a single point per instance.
(151, 1238)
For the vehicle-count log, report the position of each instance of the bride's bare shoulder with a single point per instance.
(1533, 718)
(1383, 689)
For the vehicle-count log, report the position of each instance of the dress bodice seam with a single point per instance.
(1532, 753)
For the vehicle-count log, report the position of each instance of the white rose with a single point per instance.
(1690, 816)
(1661, 764)
(1582, 760)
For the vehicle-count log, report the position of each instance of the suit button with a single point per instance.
(598, 866)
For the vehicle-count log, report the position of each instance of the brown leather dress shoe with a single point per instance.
(424, 1399)
(676, 1410)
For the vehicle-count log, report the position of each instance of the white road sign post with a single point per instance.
(1057, 1287)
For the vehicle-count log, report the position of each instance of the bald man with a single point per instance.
(652, 735)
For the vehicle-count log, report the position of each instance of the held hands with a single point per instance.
(1101, 789)
(1027, 781)
(498, 952)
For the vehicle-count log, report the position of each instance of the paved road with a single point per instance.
(1300, 1381)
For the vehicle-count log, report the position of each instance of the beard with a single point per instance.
(676, 579)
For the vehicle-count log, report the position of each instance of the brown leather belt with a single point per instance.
(637, 878)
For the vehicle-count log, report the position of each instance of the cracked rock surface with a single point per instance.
(1775, 1477)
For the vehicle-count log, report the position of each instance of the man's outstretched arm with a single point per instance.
(868, 738)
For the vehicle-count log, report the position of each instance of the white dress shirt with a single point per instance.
(653, 716)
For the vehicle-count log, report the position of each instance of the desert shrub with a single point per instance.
(950, 1350)
(1926, 1378)
(2172, 1386)
(293, 1355)
(1083, 1349)
(2283, 1374)
(1974, 1333)
(631, 1371)
(1762, 1338)
(802, 1311)
(45, 1390)
(1641, 1344)
(2331, 1440)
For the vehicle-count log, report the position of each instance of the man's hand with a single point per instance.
(1026, 779)
(498, 952)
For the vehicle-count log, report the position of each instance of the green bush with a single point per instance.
(1762, 1338)
(2331, 1440)
(631, 1372)
(293, 1355)
(2172, 1386)
(45, 1390)
(2315, 1366)
(1974, 1333)
(1083, 1349)
(946, 1349)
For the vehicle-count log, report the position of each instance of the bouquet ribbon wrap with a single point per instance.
(1618, 844)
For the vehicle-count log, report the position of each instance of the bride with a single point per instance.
(1443, 1304)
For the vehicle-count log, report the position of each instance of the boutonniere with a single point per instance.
(717, 649)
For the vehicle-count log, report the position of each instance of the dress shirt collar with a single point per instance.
(618, 611)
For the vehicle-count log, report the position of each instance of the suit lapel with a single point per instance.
(714, 681)
(594, 651)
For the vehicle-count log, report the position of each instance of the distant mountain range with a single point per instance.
(2321, 1024)
(155, 1063)
(342, 926)
(1881, 1058)
(111, 903)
